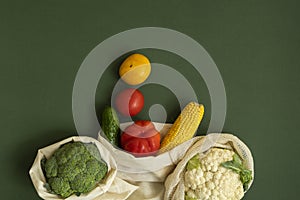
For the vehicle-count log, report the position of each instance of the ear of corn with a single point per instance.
(184, 127)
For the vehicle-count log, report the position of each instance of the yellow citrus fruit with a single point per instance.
(135, 69)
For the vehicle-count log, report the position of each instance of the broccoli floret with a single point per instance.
(93, 151)
(83, 182)
(97, 169)
(102, 171)
(75, 168)
(51, 167)
(60, 186)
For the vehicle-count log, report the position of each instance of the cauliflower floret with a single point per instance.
(211, 181)
(194, 178)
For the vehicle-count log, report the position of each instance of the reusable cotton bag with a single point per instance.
(174, 184)
(161, 177)
(150, 172)
(104, 190)
(149, 168)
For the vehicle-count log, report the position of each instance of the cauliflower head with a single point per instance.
(74, 168)
(208, 179)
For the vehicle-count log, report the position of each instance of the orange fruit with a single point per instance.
(135, 69)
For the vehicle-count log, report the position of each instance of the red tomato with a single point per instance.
(141, 138)
(129, 102)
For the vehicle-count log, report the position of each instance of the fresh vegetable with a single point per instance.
(207, 178)
(129, 102)
(237, 166)
(135, 69)
(184, 127)
(141, 138)
(193, 163)
(110, 125)
(74, 168)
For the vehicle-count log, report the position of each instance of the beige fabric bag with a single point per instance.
(111, 187)
(148, 173)
(119, 190)
(174, 183)
(150, 168)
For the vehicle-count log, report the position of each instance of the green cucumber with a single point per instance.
(110, 125)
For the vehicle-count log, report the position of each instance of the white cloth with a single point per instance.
(148, 173)
(149, 168)
(110, 188)
(174, 183)
(149, 178)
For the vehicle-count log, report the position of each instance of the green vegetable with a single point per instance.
(110, 125)
(193, 163)
(74, 168)
(237, 166)
(189, 198)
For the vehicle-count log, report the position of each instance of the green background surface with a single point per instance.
(255, 45)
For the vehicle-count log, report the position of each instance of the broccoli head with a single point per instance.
(75, 168)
